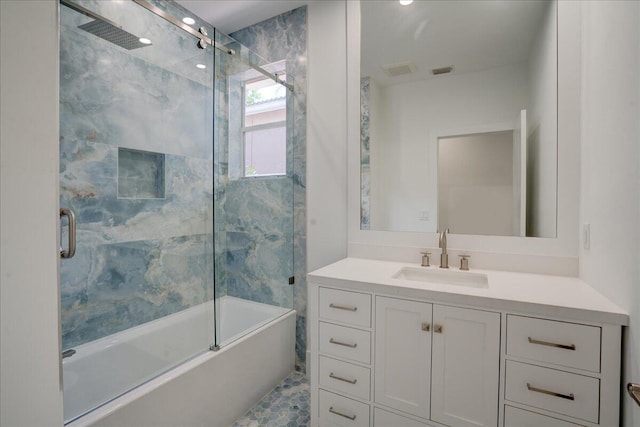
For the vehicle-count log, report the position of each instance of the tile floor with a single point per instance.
(287, 405)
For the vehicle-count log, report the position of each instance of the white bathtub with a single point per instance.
(212, 389)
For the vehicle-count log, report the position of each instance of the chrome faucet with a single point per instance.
(444, 256)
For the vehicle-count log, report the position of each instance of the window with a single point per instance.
(264, 132)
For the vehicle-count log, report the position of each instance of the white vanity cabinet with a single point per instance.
(412, 338)
(391, 353)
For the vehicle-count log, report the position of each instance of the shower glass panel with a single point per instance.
(136, 167)
(253, 191)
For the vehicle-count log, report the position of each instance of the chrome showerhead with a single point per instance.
(113, 34)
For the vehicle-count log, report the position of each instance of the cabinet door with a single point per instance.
(402, 355)
(465, 365)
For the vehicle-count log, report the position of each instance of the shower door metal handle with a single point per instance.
(71, 249)
(634, 392)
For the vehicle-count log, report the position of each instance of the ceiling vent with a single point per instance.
(443, 70)
(401, 69)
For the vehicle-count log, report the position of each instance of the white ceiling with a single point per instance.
(232, 15)
(470, 35)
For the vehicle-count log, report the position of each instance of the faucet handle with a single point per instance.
(425, 258)
(464, 262)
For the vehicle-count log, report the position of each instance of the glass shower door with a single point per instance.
(253, 191)
(136, 168)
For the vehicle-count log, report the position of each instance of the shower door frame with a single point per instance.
(67, 254)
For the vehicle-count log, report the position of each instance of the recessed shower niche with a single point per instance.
(140, 174)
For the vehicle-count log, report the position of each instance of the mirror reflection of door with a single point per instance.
(479, 183)
(520, 175)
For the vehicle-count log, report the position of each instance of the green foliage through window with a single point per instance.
(254, 96)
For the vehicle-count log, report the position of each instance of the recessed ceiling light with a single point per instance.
(144, 41)
(201, 66)
(406, 2)
(188, 21)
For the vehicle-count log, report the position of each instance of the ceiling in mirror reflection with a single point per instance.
(502, 57)
(468, 35)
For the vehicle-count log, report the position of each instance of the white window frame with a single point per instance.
(246, 129)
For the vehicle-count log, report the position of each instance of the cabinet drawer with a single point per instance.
(560, 343)
(574, 395)
(336, 410)
(341, 341)
(346, 307)
(515, 417)
(387, 419)
(345, 377)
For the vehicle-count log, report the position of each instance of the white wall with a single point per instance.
(30, 389)
(610, 165)
(326, 135)
(542, 128)
(404, 155)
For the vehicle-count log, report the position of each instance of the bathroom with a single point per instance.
(307, 218)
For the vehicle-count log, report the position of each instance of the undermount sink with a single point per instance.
(446, 277)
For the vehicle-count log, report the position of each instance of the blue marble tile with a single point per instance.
(171, 49)
(130, 283)
(301, 342)
(284, 37)
(137, 259)
(365, 136)
(286, 405)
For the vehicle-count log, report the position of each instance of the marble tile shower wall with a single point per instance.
(142, 257)
(147, 256)
(257, 212)
(283, 37)
(365, 158)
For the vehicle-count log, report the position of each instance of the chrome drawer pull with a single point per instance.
(342, 379)
(550, 393)
(349, 417)
(552, 344)
(343, 307)
(332, 341)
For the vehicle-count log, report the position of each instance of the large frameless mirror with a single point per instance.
(458, 117)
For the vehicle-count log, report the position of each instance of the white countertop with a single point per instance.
(555, 296)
